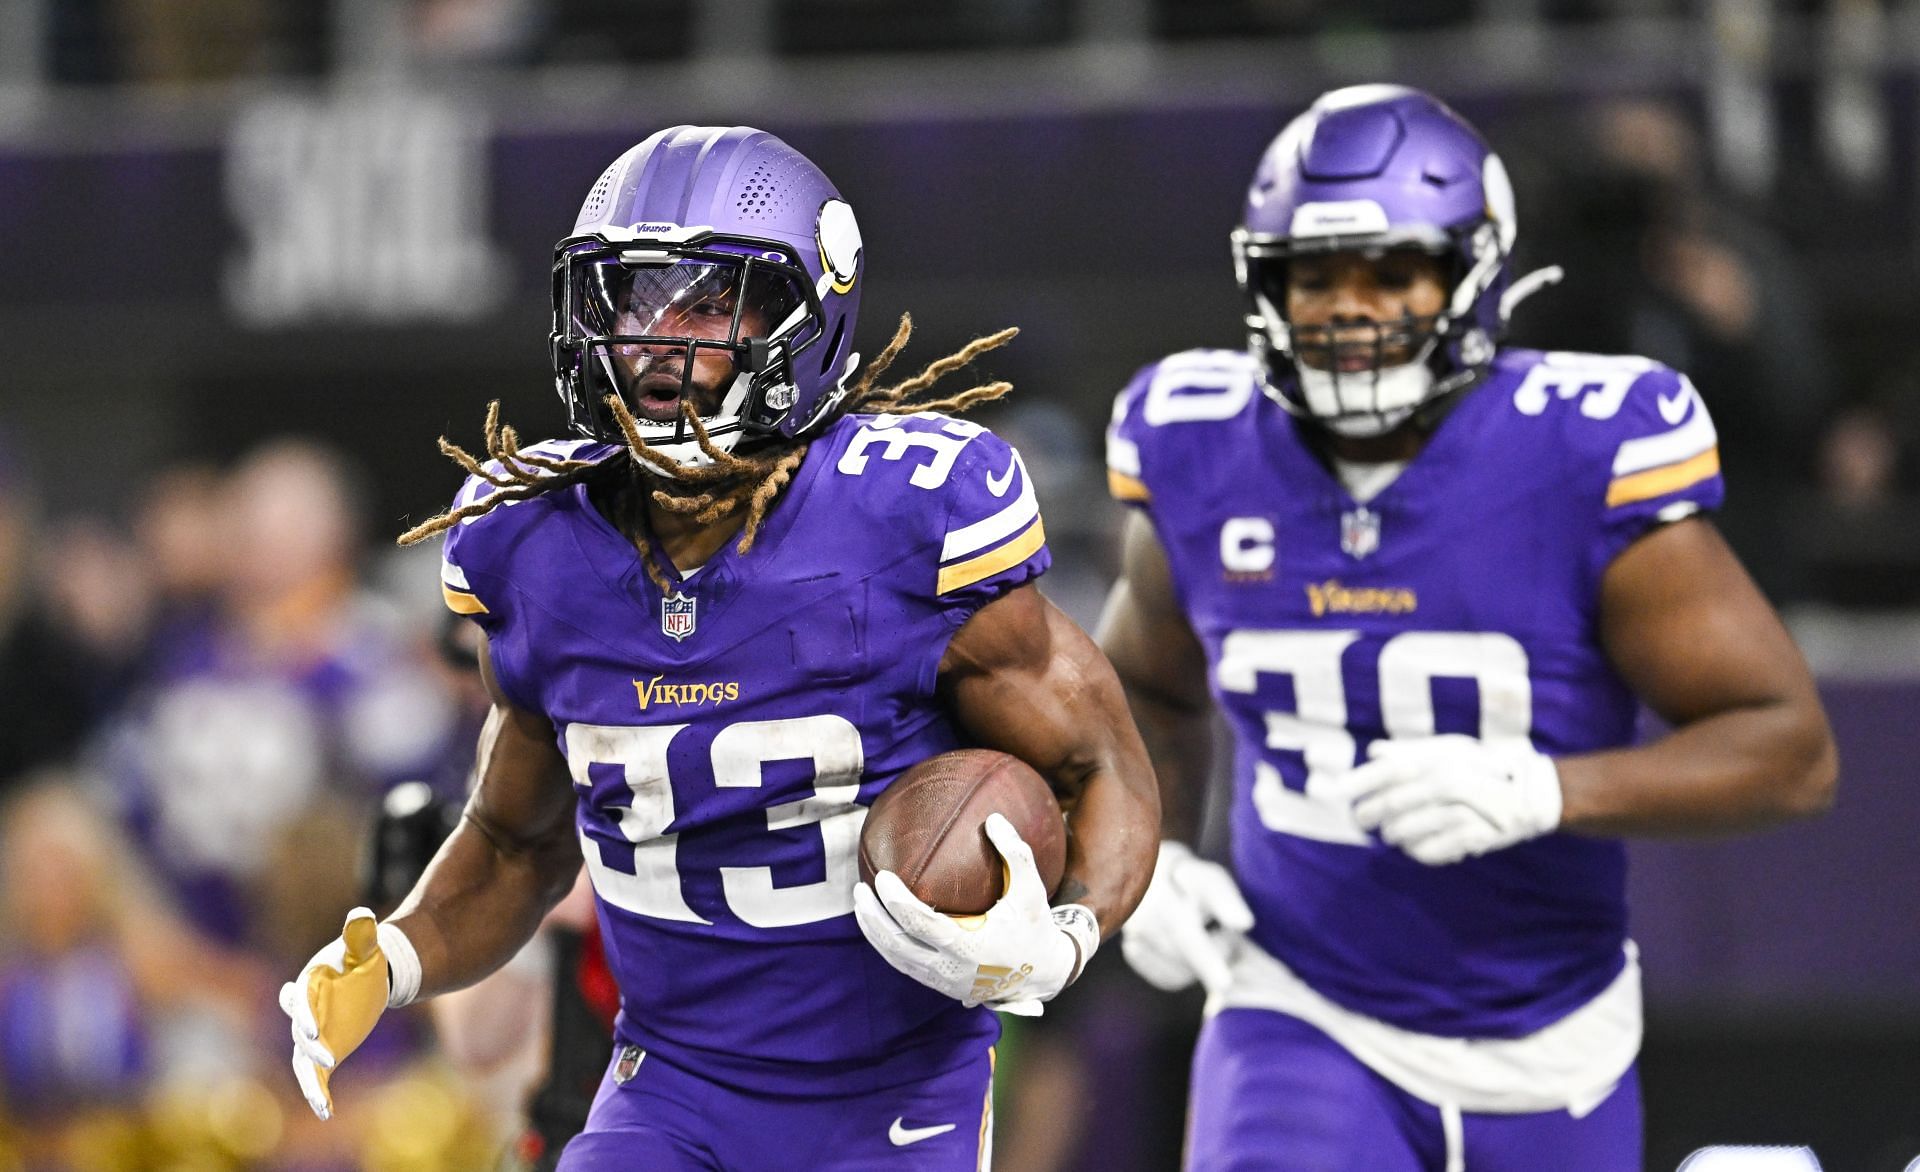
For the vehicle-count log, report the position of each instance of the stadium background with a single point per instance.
(255, 255)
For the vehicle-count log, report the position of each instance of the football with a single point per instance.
(928, 827)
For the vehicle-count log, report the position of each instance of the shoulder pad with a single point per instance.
(1194, 386)
(974, 496)
(1645, 420)
(467, 552)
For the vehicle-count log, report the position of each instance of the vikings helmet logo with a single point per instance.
(838, 235)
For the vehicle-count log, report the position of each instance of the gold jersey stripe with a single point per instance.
(1014, 552)
(460, 602)
(1660, 481)
(986, 1116)
(1126, 488)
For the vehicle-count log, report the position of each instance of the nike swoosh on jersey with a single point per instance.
(1674, 409)
(900, 1135)
(998, 485)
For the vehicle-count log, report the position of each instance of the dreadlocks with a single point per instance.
(708, 492)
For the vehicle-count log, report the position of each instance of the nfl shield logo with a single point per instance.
(676, 616)
(1359, 532)
(630, 1059)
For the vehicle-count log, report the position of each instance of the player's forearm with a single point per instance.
(1179, 740)
(1735, 770)
(1113, 833)
(480, 901)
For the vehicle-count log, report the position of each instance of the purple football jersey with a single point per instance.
(1463, 598)
(726, 739)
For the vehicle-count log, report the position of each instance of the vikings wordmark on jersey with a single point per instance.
(727, 739)
(1462, 601)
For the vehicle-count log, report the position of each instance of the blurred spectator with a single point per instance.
(98, 590)
(473, 32)
(99, 979)
(296, 688)
(1859, 460)
(1859, 535)
(178, 534)
(52, 682)
(1661, 263)
(72, 1037)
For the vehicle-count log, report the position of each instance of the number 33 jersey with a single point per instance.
(725, 738)
(1463, 598)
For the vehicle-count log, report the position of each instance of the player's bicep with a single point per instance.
(1143, 631)
(1690, 632)
(1021, 677)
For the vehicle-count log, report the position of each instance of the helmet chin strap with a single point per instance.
(688, 451)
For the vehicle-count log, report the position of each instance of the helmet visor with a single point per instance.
(704, 299)
(675, 330)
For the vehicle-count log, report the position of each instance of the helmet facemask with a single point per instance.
(663, 327)
(1366, 378)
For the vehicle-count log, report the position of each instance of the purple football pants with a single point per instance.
(1272, 1092)
(665, 1118)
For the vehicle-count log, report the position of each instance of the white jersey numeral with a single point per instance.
(1317, 729)
(895, 442)
(833, 745)
(1192, 388)
(652, 888)
(1561, 374)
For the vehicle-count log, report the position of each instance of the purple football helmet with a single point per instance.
(1370, 168)
(699, 247)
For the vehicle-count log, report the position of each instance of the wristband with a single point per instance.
(1083, 928)
(403, 966)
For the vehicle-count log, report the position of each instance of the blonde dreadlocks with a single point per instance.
(712, 491)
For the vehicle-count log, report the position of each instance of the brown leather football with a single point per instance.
(929, 828)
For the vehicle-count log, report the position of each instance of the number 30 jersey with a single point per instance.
(1463, 598)
(726, 738)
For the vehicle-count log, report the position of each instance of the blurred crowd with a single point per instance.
(204, 709)
(1818, 412)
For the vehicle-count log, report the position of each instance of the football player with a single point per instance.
(1428, 580)
(750, 591)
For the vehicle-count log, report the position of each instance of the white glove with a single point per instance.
(1188, 924)
(1020, 953)
(1443, 799)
